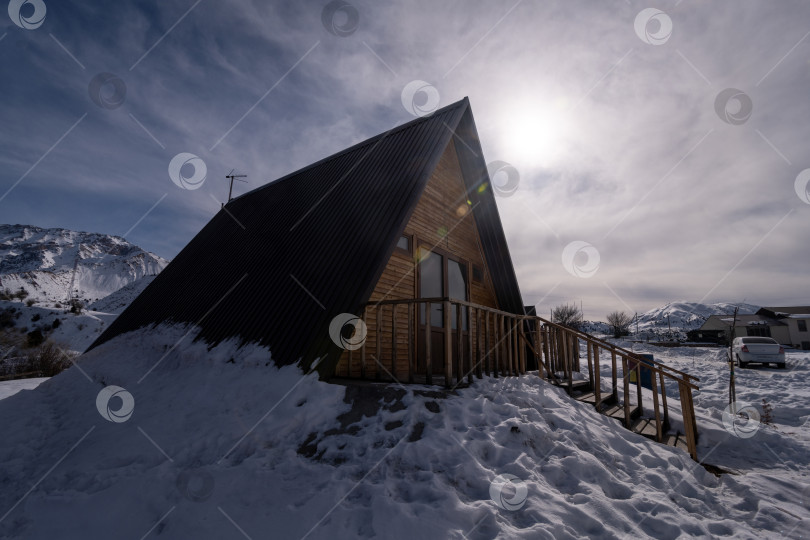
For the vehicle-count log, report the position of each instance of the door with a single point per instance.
(441, 275)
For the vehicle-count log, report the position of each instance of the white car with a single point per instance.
(757, 350)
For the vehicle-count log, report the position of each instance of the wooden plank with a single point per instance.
(487, 349)
(470, 367)
(626, 377)
(478, 341)
(428, 359)
(394, 341)
(411, 341)
(496, 344)
(614, 374)
(664, 400)
(522, 345)
(508, 334)
(658, 433)
(363, 349)
(459, 357)
(597, 386)
(378, 351)
(448, 345)
(589, 353)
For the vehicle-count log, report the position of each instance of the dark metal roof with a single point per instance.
(278, 263)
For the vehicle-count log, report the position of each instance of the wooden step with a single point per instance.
(617, 412)
(644, 427)
(575, 384)
(678, 440)
(588, 397)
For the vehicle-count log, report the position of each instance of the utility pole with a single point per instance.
(233, 177)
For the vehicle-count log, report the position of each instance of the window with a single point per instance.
(404, 244)
(802, 325)
(759, 330)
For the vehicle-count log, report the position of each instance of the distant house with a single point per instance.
(376, 230)
(797, 320)
(718, 328)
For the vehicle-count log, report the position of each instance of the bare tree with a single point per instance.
(567, 315)
(620, 322)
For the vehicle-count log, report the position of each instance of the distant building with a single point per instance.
(787, 325)
(797, 319)
(718, 328)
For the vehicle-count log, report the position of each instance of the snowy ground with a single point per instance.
(221, 449)
(76, 331)
(9, 388)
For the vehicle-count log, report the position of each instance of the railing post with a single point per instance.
(638, 386)
(428, 360)
(589, 352)
(378, 350)
(496, 346)
(412, 336)
(615, 374)
(459, 362)
(478, 341)
(363, 349)
(448, 345)
(626, 378)
(394, 338)
(488, 353)
(664, 400)
(569, 367)
(597, 385)
(469, 312)
(521, 346)
(658, 434)
(688, 420)
(547, 348)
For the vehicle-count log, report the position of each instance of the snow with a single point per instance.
(42, 261)
(76, 331)
(681, 317)
(118, 301)
(9, 388)
(223, 444)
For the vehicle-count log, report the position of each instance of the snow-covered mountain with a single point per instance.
(680, 316)
(48, 262)
(687, 316)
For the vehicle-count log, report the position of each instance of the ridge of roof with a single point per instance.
(463, 102)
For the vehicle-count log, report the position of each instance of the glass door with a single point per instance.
(440, 275)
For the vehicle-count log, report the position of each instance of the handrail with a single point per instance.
(608, 345)
(506, 340)
(578, 333)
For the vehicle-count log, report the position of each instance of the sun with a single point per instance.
(536, 133)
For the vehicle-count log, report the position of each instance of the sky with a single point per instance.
(657, 149)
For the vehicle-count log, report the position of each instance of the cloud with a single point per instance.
(617, 141)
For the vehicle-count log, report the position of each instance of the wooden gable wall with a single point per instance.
(442, 218)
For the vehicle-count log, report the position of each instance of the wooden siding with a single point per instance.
(442, 207)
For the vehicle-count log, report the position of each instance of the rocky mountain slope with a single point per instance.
(48, 263)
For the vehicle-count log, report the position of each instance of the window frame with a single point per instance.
(407, 252)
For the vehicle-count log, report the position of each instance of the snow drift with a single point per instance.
(222, 442)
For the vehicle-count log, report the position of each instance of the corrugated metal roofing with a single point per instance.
(278, 263)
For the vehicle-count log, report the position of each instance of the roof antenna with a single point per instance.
(233, 177)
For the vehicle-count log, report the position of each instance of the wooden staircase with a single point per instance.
(623, 405)
(498, 344)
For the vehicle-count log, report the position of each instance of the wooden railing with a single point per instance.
(473, 340)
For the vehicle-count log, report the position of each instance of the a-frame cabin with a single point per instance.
(388, 261)
(407, 215)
